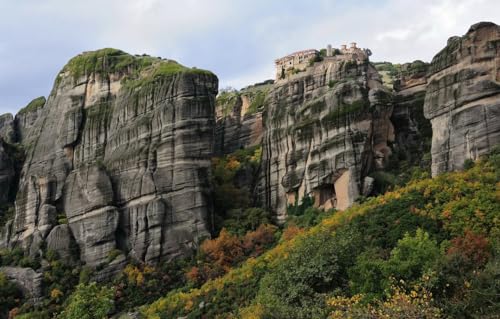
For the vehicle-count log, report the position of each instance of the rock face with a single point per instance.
(463, 97)
(239, 118)
(28, 280)
(120, 151)
(325, 128)
(7, 164)
(7, 132)
(7, 173)
(413, 131)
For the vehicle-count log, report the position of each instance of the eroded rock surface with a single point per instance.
(120, 151)
(463, 98)
(325, 128)
(28, 280)
(413, 131)
(239, 121)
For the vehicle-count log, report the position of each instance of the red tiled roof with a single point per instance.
(303, 52)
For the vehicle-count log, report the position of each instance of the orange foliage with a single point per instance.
(256, 242)
(219, 255)
(195, 275)
(472, 247)
(223, 251)
(291, 231)
(232, 163)
(13, 313)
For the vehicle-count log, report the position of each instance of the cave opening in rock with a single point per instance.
(325, 196)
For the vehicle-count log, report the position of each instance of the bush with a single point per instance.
(16, 257)
(400, 304)
(241, 221)
(296, 287)
(89, 302)
(468, 163)
(412, 257)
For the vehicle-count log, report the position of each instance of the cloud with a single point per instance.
(236, 39)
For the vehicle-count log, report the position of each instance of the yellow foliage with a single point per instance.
(399, 305)
(255, 311)
(56, 294)
(444, 193)
(232, 163)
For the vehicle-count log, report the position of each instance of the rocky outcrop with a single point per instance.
(463, 97)
(120, 151)
(239, 118)
(7, 171)
(413, 131)
(325, 129)
(26, 119)
(7, 132)
(28, 280)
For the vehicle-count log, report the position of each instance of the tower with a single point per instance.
(329, 50)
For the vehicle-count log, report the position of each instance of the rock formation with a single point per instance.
(413, 131)
(120, 152)
(28, 280)
(463, 97)
(118, 156)
(239, 118)
(325, 128)
(6, 173)
(7, 160)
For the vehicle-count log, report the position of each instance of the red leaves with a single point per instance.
(473, 248)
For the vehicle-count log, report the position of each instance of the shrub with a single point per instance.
(400, 304)
(241, 221)
(412, 257)
(311, 216)
(140, 284)
(256, 242)
(89, 302)
(297, 284)
(468, 163)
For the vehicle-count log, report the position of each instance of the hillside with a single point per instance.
(439, 235)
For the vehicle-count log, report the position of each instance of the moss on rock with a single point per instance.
(33, 105)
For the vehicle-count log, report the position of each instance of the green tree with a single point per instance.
(89, 302)
(413, 256)
(298, 285)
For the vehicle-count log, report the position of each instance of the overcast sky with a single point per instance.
(237, 40)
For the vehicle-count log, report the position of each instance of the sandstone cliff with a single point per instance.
(117, 160)
(325, 129)
(463, 97)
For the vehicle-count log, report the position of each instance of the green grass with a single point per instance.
(33, 105)
(140, 70)
(160, 69)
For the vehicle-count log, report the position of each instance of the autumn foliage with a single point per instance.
(474, 249)
(217, 256)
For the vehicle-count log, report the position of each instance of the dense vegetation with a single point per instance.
(426, 250)
(429, 249)
(141, 70)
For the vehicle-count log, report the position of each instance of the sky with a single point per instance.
(237, 40)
